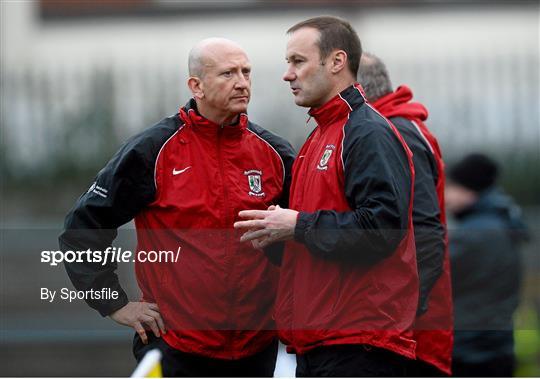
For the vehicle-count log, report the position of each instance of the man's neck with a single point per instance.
(339, 87)
(344, 84)
(216, 117)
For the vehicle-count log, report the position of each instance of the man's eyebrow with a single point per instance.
(294, 56)
(226, 68)
(234, 67)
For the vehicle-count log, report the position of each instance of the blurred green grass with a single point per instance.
(527, 342)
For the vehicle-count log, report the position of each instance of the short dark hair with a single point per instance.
(475, 171)
(373, 76)
(336, 33)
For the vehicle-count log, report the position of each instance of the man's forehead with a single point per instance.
(233, 60)
(215, 52)
(303, 42)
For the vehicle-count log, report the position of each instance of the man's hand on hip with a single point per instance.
(266, 227)
(137, 314)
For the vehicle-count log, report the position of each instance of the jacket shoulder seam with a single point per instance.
(274, 150)
(160, 151)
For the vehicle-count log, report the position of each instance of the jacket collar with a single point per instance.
(399, 104)
(339, 106)
(192, 118)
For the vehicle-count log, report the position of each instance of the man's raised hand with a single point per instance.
(267, 227)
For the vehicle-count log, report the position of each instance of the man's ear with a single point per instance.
(338, 62)
(196, 87)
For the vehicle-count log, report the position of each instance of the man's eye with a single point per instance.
(227, 74)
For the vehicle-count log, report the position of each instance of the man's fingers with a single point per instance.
(256, 243)
(265, 242)
(151, 322)
(141, 332)
(161, 324)
(156, 316)
(250, 224)
(261, 243)
(253, 214)
(253, 235)
(153, 306)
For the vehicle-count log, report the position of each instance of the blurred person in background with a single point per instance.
(486, 268)
(433, 326)
(184, 180)
(348, 289)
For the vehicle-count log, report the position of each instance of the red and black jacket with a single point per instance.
(350, 277)
(434, 324)
(184, 181)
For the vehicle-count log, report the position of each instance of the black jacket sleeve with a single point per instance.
(377, 187)
(287, 154)
(429, 232)
(120, 190)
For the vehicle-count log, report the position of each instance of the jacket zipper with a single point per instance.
(226, 227)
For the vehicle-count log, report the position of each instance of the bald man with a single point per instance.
(207, 305)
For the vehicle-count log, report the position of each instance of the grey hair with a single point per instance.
(373, 76)
(195, 62)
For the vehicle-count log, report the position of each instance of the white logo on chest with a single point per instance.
(323, 163)
(177, 172)
(254, 178)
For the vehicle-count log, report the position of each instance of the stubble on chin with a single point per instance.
(301, 102)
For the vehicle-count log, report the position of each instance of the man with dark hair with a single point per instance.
(433, 326)
(486, 268)
(334, 35)
(348, 288)
(184, 180)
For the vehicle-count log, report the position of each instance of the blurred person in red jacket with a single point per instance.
(348, 290)
(184, 180)
(433, 325)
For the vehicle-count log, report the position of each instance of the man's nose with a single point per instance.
(242, 82)
(289, 75)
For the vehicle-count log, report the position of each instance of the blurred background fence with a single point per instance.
(79, 77)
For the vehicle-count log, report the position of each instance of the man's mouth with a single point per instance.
(295, 90)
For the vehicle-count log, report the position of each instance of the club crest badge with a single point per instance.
(323, 163)
(254, 178)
